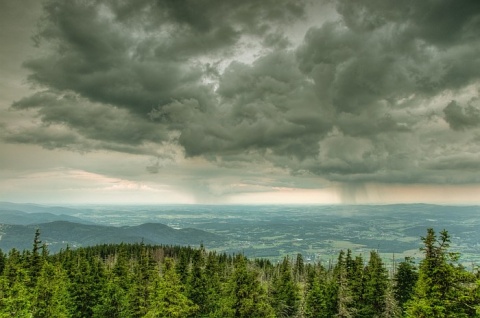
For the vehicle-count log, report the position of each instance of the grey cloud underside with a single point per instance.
(463, 117)
(388, 92)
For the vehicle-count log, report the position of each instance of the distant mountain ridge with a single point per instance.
(18, 223)
(59, 234)
(36, 208)
(16, 217)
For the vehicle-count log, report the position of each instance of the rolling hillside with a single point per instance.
(59, 234)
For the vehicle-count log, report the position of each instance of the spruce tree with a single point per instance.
(144, 273)
(15, 296)
(316, 296)
(392, 309)
(183, 266)
(51, 297)
(244, 297)
(299, 268)
(212, 269)
(36, 258)
(166, 298)
(15, 299)
(356, 281)
(406, 277)
(2, 261)
(87, 279)
(113, 299)
(442, 286)
(197, 290)
(345, 305)
(375, 287)
(285, 293)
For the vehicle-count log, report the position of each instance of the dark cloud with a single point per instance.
(374, 68)
(463, 162)
(369, 124)
(463, 117)
(139, 54)
(272, 103)
(47, 137)
(438, 22)
(372, 58)
(266, 105)
(360, 99)
(92, 120)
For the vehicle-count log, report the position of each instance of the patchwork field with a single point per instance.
(317, 232)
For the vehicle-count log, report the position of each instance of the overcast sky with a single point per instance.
(227, 101)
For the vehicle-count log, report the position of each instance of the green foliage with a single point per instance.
(319, 300)
(212, 273)
(137, 280)
(14, 299)
(406, 277)
(392, 308)
(443, 288)
(86, 275)
(375, 287)
(35, 258)
(299, 268)
(183, 266)
(197, 288)
(2, 261)
(356, 280)
(51, 297)
(284, 291)
(113, 301)
(166, 298)
(345, 305)
(243, 295)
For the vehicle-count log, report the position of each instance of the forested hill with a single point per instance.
(59, 234)
(139, 280)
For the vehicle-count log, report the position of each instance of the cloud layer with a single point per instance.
(384, 91)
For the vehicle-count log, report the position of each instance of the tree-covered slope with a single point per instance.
(142, 280)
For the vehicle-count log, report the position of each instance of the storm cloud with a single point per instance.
(459, 117)
(384, 91)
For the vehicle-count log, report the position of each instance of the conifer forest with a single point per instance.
(141, 280)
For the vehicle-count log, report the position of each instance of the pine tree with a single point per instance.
(212, 269)
(442, 287)
(244, 296)
(36, 258)
(15, 298)
(375, 287)
(285, 293)
(356, 281)
(87, 280)
(2, 261)
(392, 309)
(113, 299)
(316, 297)
(51, 297)
(345, 306)
(183, 265)
(405, 278)
(122, 270)
(197, 290)
(145, 271)
(299, 268)
(166, 298)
